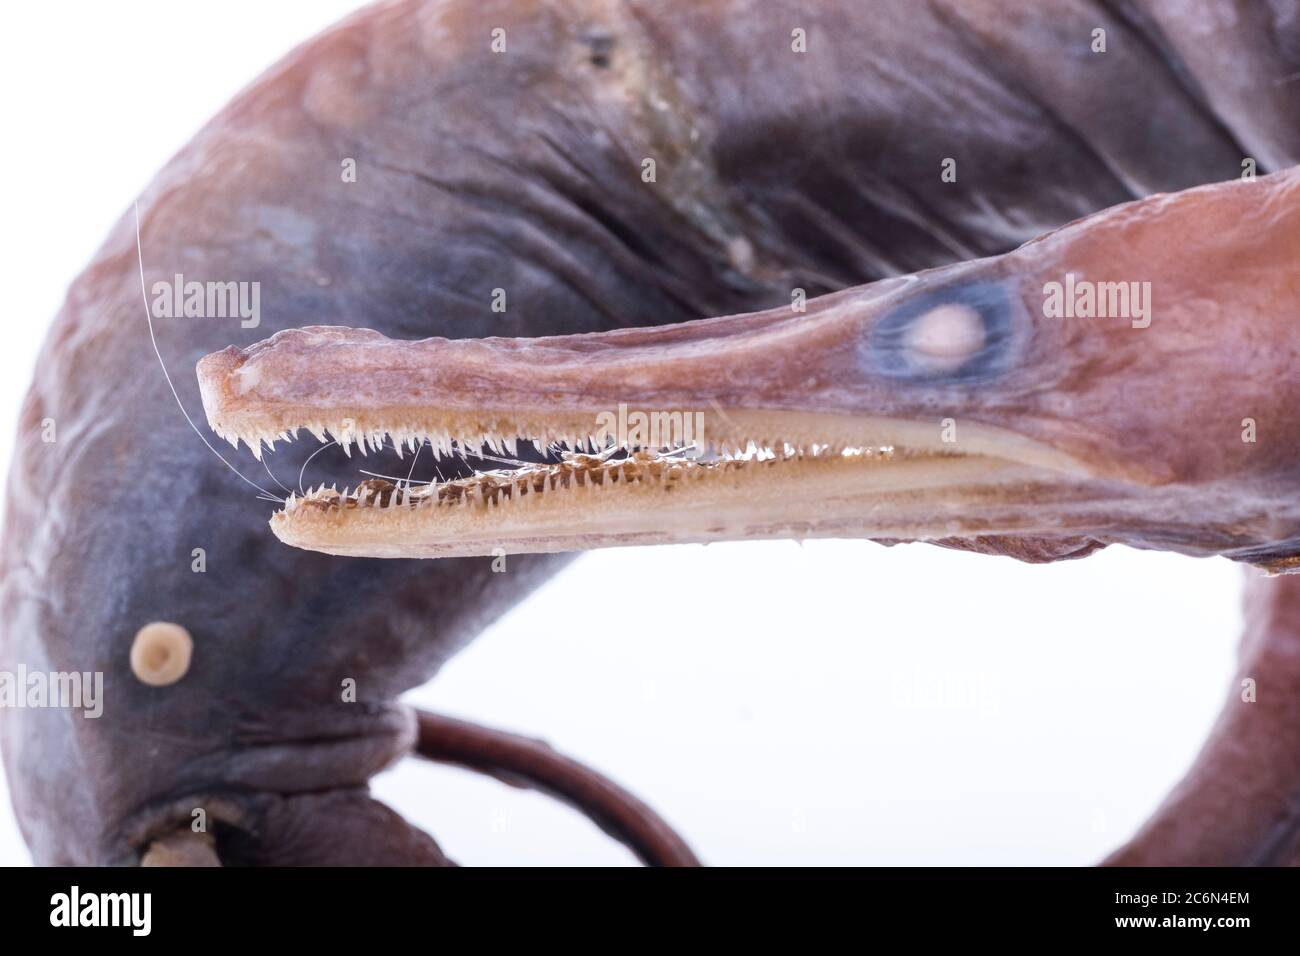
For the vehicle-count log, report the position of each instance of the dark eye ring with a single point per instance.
(958, 333)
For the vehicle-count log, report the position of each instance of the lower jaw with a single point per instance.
(887, 494)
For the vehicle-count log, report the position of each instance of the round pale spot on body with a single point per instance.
(160, 653)
(944, 338)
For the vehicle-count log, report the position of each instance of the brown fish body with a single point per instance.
(524, 170)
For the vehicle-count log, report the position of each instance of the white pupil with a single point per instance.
(944, 338)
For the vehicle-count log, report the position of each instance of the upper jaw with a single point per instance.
(773, 378)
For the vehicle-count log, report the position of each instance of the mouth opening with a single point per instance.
(574, 470)
(599, 491)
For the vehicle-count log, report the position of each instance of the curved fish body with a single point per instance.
(513, 164)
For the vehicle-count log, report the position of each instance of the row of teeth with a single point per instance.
(491, 488)
(444, 445)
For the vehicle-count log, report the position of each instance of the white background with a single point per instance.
(836, 702)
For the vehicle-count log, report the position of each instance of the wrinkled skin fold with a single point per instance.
(775, 171)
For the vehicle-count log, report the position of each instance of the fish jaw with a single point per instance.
(760, 438)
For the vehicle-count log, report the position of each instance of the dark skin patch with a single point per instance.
(888, 348)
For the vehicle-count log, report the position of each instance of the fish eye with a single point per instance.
(955, 334)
